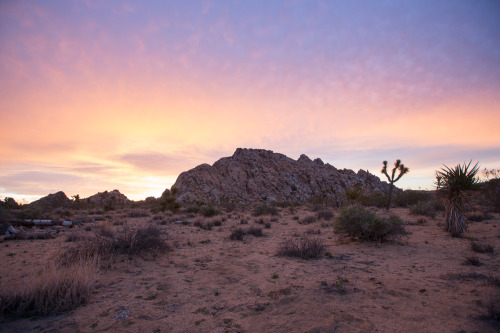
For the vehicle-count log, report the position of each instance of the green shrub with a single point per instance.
(373, 199)
(424, 208)
(209, 211)
(356, 221)
(411, 197)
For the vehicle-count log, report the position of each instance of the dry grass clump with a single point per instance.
(265, 210)
(134, 213)
(308, 219)
(472, 276)
(54, 290)
(237, 234)
(472, 261)
(482, 248)
(202, 225)
(356, 221)
(325, 214)
(254, 231)
(125, 241)
(305, 248)
(478, 216)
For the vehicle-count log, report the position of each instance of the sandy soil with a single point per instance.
(209, 283)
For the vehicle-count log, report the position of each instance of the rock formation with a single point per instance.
(252, 175)
(52, 201)
(106, 200)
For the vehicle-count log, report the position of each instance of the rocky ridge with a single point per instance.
(253, 175)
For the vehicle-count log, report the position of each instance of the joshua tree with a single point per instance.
(453, 188)
(402, 170)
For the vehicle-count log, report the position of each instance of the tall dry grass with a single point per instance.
(54, 290)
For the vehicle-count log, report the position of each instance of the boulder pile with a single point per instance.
(256, 175)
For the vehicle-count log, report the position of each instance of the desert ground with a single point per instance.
(426, 281)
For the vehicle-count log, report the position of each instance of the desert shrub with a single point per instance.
(373, 199)
(9, 203)
(217, 222)
(308, 219)
(481, 248)
(135, 241)
(237, 234)
(267, 225)
(259, 221)
(254, 231)
(424, 208)
(124, 241)
(305, 248)
(167, 201)
(244, 221)
(105, 229)
(356, 221)
(54, 290)
(62, 212)
(209, 211)
(195, 209)
(472, 261)
(325, 214)
(138, 213)
(73, 237)
(204, 226)
(493, 309)
(354, 194)
(265, 210)
(478, 216)
(5, 215)
(408, 198)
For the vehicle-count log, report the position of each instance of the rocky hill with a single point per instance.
(52, 201)
(252, 175)
(107, 200)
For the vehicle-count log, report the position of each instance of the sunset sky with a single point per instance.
(103, 95)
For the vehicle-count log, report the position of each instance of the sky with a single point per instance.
(103, 95)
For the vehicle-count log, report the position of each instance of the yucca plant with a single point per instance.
(402, 170)
(453, 185)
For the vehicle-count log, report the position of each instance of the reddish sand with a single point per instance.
(209, 283)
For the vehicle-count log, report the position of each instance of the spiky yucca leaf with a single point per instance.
(452, 185)
(458, 179)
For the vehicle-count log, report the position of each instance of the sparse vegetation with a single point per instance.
(472, 261)
(424, 208)
(209, 211)
(308, 219)
(305, 248)
(265, 210)
(54, 290)
(237, 234)
(356, 221)
(325, 214)
(254, 231)
(482, 248)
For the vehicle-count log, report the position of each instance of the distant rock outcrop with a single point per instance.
(52, 201)
(252, 175)
(106, 200)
